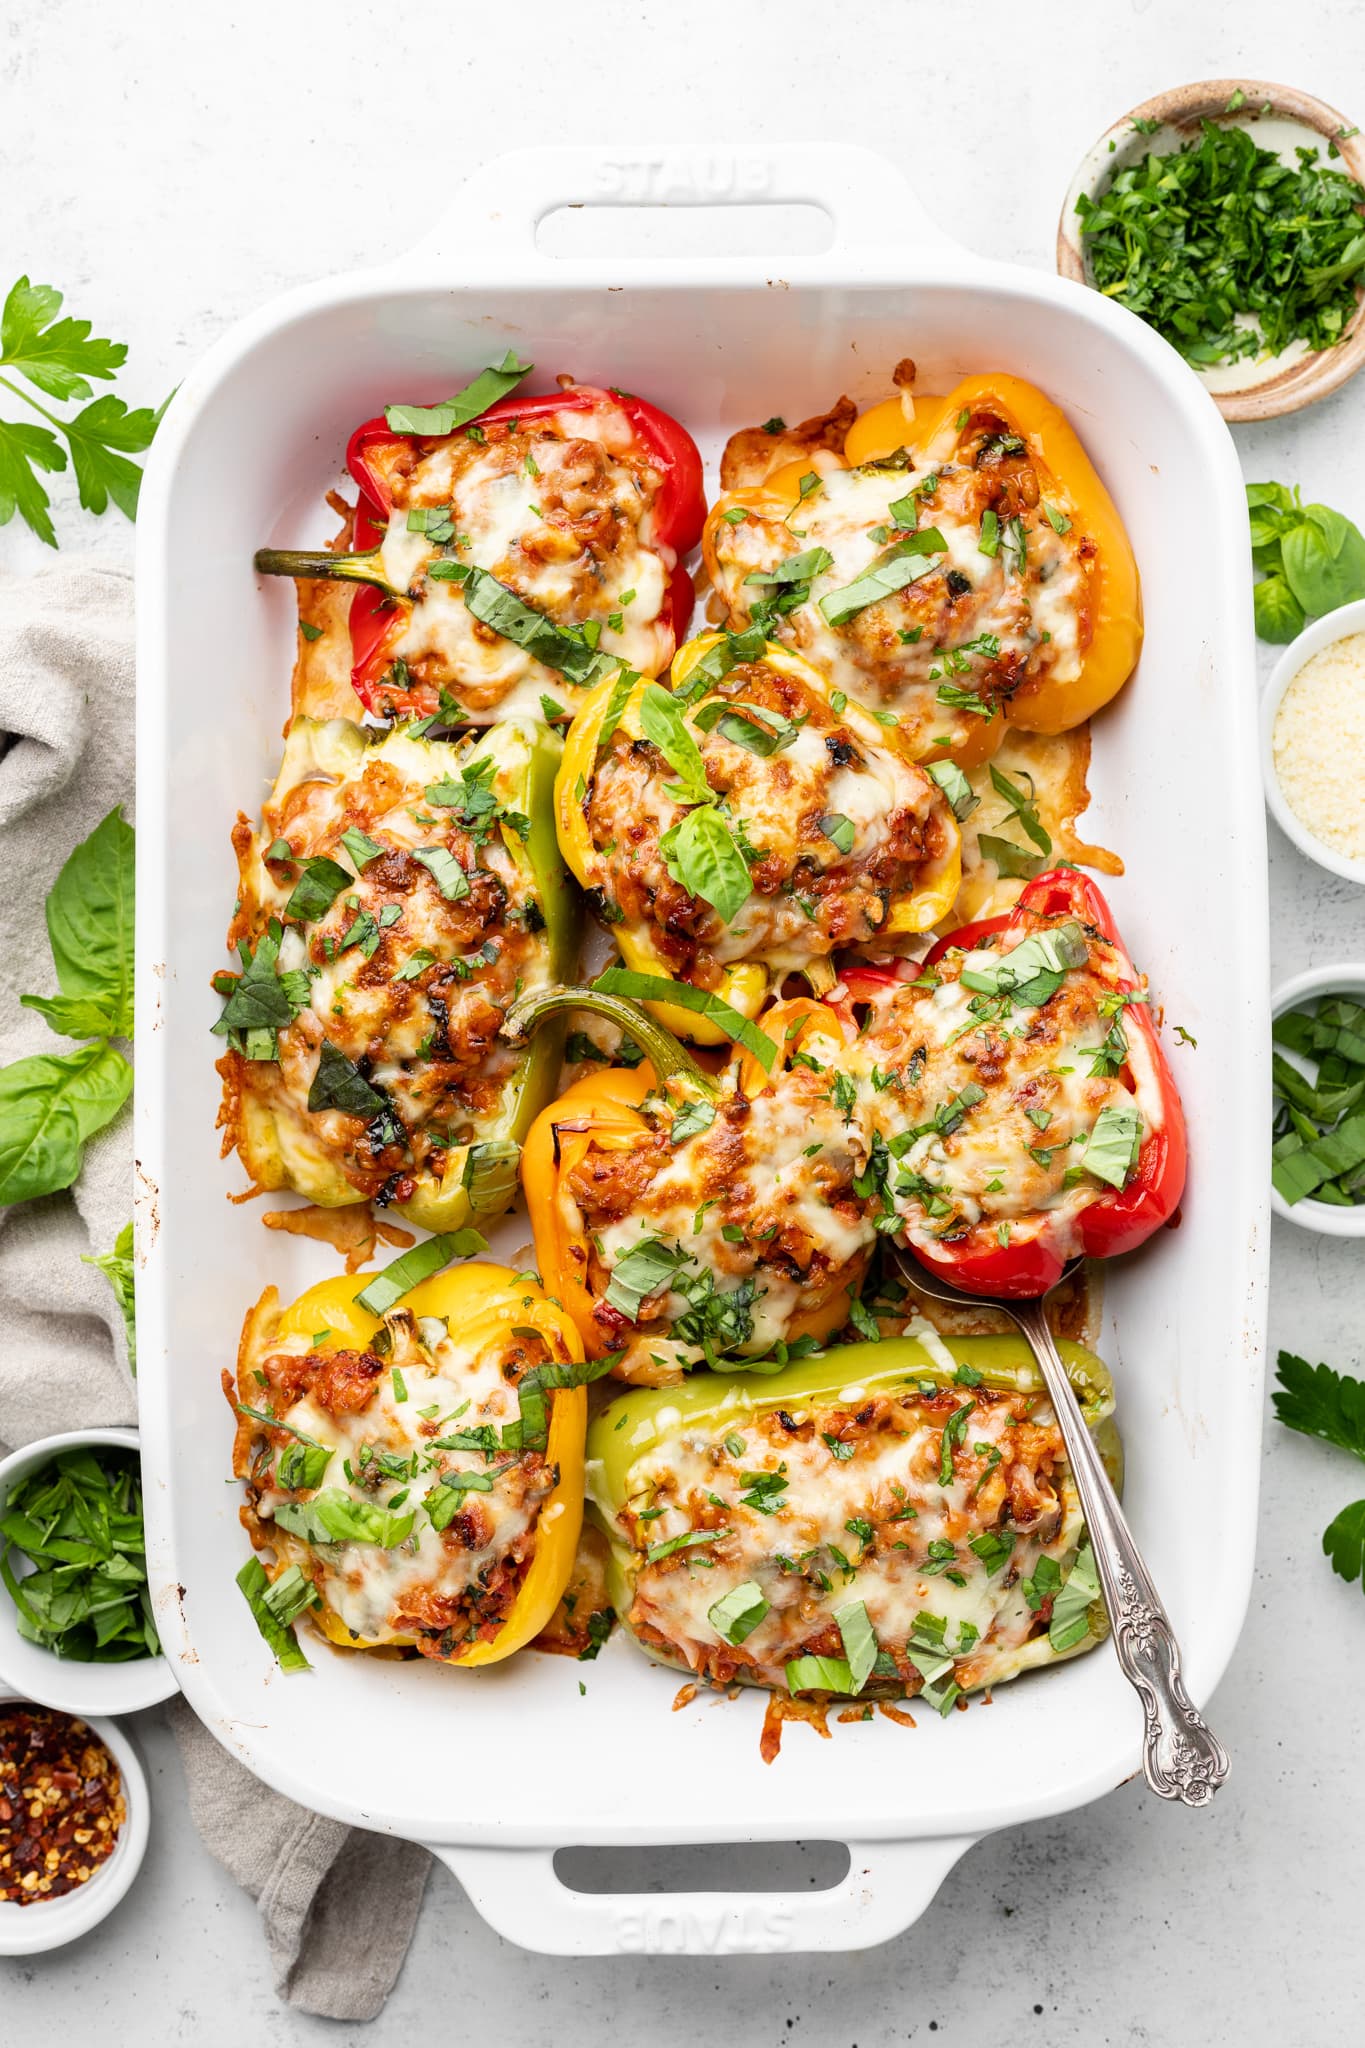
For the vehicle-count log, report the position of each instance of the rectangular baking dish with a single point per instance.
(498, 1771)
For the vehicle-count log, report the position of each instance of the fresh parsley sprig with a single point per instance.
(1317, 1401)
(59, 357)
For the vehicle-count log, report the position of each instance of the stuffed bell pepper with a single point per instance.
(1023, 1108)
(955, 561)
(687, 1218)
(509, 548)
(881, 1519)
(749, 822)
(398, 893)
(413, 1459)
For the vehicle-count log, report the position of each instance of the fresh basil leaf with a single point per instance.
(283, 1643)
(317, 888)
(1031, 972)
(1324, 560)
(411, 1267)
(759, 731)
(301, 1467)
(859, 1640)
(339, 1084)
(360, 847)
(261, 999)
(1021, 807)
(441, 864)
(691, 1120)
(558, 647)
(90, 922)
(664, 725)
(1010, 860)
(1080, 1590)
(482, 391)
(802, 568)
(617, 700)
(819, 1674)
(332, 1516)
(1279, 615)
(955, 786)
(641, 1272)
(657, 988)
(738, 1613)
(78, 1016)
(839, 830)
(1111, 1151)
(898, 566)
(731, 651)
(701, 854)
(49, 1106)
(117, 1268)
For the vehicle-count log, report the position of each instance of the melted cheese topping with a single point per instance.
(1013, 1159)
(759, 1206)
(808, 895)
(407, 983)
(562, 514)
(442, 1587)
(977, 622)
(846, 1501)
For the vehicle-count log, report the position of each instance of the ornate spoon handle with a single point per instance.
(1182, 1757)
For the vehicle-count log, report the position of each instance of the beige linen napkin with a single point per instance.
(339, 1905)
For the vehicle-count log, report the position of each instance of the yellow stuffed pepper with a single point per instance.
(749, 823)
(956, 561)
(413, 1458)
(687, 1219)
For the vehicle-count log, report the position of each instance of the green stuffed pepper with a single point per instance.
(879, 1519)
(397, 895)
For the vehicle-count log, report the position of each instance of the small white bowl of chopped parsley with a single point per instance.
(76, 1625)
(1318, 1116)
(1226, 214)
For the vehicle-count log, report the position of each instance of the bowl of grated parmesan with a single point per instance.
(1313, 742)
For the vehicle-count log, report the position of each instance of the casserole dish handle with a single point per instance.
(497, 211)
(522, 1897)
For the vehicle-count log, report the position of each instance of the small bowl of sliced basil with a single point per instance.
(1318, 1119)
(76, 1625)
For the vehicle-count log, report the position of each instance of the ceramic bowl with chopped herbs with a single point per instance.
(1227, 214)
(76, 1625)
(1317, 1137)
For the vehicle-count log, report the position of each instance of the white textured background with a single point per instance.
(171, 166)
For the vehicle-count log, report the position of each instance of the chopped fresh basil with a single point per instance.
(317, 888)
(1031, 972)
(484, 390)
(333, 1516)
(703, 856)
(1011, 860)
(1080, 1590)
(902, 563)
(279, 1635)
(657, 988)
(839, 830)
(691, 1120)
(819, 1674)
(339, 1084)
(411, 1267)
(643, 1271)
(860, 1642)
(955, 786)
(738, 1613)
(1111, 1151)
(695, 1539)
(360, 847)
(441, 864)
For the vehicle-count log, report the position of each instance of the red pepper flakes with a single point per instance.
(61, 1804)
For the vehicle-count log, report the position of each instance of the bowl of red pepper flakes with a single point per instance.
(73, 1824)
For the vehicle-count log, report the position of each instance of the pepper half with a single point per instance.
(613, 500)
(422, 1470)
(398, 895)
(684, 1218)
(1122, 1167)
(881, 1518)
(823, 833)
(960, 564)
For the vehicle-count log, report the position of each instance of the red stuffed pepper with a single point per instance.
(1023, 1107)
(512, 553)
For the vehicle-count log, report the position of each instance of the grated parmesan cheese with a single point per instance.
(1319, 746)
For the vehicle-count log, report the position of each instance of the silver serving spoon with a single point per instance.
(1182, 1758)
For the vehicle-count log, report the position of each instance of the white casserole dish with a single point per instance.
(497, 1771)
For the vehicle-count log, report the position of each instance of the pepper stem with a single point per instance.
(667, 1057)
(324, 566)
